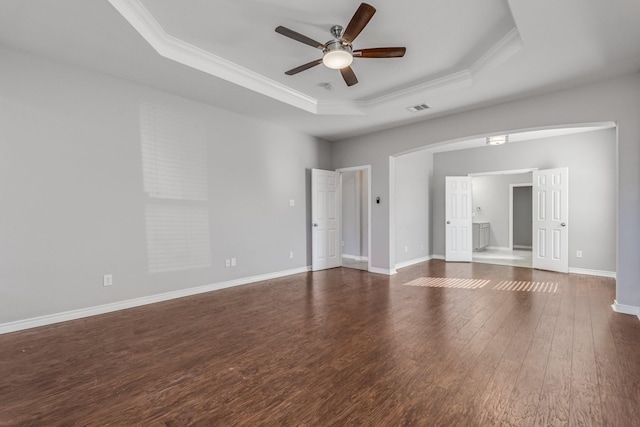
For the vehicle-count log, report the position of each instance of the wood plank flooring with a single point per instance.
(338, 347)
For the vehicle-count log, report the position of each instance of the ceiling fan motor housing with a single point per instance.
(336, 30)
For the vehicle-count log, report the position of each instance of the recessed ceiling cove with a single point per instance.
(449, 45)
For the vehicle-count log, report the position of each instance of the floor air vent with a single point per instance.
(417, 108)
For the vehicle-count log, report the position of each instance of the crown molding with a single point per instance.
(352, 108)
(505, 48)
(192, 56)
(455, 80)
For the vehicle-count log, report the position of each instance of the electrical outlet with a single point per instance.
(233, 262)
(291, 254)
(406, 249)
(227, 262)
(107, 280)
(578, 254)
(292, 202)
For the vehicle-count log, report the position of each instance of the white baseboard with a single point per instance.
(382, 271)
(626, 309)
(355, 257)
(137, 302)
(522, 247)
(499, 248)
(412, 262)
(601, 273)
(611, 274)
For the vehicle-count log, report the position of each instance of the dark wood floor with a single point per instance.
(339, 347)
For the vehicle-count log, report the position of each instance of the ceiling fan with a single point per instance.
(338, 53)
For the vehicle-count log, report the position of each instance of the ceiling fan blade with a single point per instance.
(380, 52)
(349, 76)
(360, 19)
(298, 37)
(303, 67)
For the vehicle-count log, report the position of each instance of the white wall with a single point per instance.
(491, 196)
(412, 232)
(75, 205)
(616, 100)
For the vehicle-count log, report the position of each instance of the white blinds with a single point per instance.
(174, 158)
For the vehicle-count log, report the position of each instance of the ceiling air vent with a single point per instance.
(417, 108)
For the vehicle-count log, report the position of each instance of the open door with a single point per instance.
(550, 220)
(458, 227)
(325, 216)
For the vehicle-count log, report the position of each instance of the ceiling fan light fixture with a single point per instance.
(338, 53)
(497, 140)
(337, 56)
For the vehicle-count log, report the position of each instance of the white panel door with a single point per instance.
(550, 220)
(458, 218)
(326, 221)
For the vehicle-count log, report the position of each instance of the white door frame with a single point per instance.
(505, 172)
(511, 187)
(366, 168)
(509, 172)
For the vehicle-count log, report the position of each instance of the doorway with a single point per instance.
(355, 217)
(520, 216)
(502, 218)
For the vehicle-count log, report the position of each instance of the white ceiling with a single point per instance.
(461, 54)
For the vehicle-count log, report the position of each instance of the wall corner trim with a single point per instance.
(412, 262)
(50, 319)
(625, 309)
(384, 271)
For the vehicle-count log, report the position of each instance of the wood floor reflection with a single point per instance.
(338, 347)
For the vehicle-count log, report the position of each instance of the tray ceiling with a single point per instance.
(461, 54)
(236, 41)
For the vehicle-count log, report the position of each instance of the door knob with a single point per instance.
(563, 224)
(448, 222)
(315, 224)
